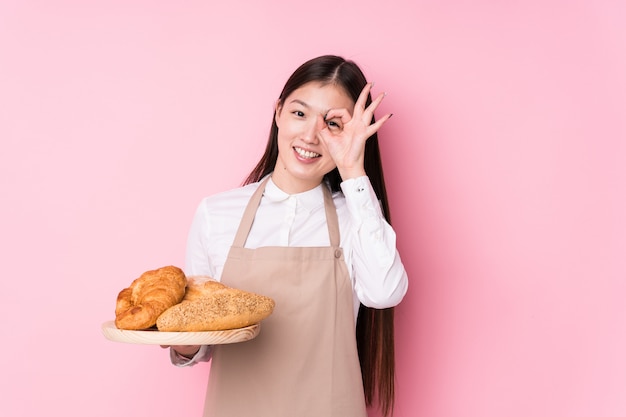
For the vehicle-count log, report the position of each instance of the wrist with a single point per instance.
(187, 352)
(347, 174)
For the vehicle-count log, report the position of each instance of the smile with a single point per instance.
(306, 154)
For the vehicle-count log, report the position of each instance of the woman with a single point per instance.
(308, 230)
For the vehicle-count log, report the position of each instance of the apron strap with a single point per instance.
(250, 211)
(248, 215)
(331, 217)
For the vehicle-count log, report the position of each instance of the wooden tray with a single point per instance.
(155, 337)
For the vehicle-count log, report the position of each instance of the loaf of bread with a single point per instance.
(139, 305)
(209, 305)
(201, 286)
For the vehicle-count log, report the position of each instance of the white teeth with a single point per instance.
(306, 154)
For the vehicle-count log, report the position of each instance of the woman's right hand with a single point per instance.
(188, 351)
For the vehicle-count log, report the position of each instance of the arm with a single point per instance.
(182, 356)
(197, 263)
(380, 280)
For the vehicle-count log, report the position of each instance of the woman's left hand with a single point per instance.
(345, 134)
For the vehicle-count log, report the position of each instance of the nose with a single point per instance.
(313, 128)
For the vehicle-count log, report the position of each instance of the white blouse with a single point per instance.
(379, 279)
(369, 243)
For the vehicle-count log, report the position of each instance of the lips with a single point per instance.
(306, 154)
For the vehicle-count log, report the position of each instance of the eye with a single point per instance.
(298, 113)
(333, 125)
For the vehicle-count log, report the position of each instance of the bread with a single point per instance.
(201, 286)
(211, 305)
(139, 305)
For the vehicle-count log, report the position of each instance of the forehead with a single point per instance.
(321, 97)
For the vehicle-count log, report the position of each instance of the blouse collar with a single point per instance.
(309, 199)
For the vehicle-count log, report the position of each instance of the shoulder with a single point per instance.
(233, 200)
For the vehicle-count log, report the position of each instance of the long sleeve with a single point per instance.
(369, 242)
(197, 260)
(380, 280)
(203, 355)
(197, 263)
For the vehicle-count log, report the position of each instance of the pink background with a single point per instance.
(505, 161)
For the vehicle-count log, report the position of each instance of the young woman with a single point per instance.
(309, 228)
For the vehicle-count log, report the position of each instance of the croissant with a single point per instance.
(212, 305)
(139, 305)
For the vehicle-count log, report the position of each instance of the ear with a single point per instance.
(278, 107)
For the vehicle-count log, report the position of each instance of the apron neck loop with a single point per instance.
(250, 211)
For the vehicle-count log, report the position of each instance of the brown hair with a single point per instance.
(375, 327)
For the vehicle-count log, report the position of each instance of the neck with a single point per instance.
(294, 186)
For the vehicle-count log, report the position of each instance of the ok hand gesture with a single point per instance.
(346, 134)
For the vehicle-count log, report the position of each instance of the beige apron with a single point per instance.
(304, 361)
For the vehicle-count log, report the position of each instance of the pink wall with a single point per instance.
(506, 166)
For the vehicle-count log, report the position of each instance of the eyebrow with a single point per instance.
(295, 100)
(303, 104)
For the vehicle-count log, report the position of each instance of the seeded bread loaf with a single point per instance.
(210, 305)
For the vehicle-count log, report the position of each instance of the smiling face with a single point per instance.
(303, 160)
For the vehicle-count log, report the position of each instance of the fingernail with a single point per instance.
(390, 116)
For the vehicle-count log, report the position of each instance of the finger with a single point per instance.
(342, 114)
(369, 112)
(323, 136)
(362, 100)
(329, 138)
(374, 127)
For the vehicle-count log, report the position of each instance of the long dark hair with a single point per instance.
(375, 330)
